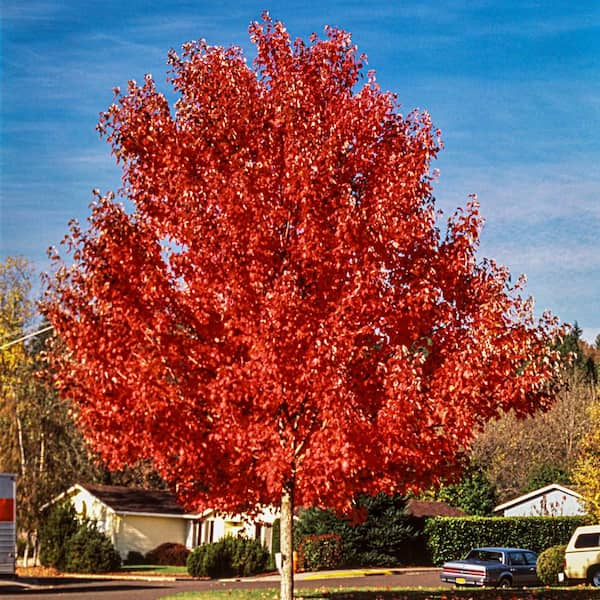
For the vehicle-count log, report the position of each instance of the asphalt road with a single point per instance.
(65, 588)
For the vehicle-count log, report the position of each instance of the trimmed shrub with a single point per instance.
(195, 561)
(59, 525)
(70, 545)
(90, 551)
(218, 558)
(249, 557)
(229, 557)
(135, 558)
(320, 552)
(168, 554)
(550, 564)
(452, 537)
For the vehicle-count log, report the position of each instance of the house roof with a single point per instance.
(136, 500)
(553, 487)
(423, 508)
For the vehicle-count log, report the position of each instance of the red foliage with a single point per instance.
(278, 303)
(169, 553)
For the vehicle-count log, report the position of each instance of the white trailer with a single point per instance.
(8, 524)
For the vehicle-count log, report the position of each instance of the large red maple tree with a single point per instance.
(275, 316)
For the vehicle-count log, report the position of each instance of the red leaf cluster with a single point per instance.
(279, 303)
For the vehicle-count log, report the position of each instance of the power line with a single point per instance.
(19, 330)
(26, 337)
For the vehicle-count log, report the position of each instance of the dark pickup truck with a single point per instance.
(499, 567)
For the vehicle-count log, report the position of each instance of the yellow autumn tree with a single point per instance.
(16, 312)
(38, 438)
(587, 468)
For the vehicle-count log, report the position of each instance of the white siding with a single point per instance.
(554, 503)
(144, 532)
(140, 533)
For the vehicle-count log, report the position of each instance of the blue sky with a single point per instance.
(514, 86)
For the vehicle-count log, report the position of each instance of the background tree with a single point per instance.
(18, 387)
(38, 437)
(586, 474)
(474, 493)
(519, 455)
(141, 474)
(39, 440)
(16, 313)
(277, 317)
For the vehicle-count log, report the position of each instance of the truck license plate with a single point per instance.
(461, 580)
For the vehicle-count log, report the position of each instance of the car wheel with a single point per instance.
(594, 577)
(505, 582)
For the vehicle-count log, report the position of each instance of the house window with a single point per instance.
(258, 529)
(194, 534)
(209, 531)
(233, 528)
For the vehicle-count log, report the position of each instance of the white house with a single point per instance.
(140, 520)
(552, 500)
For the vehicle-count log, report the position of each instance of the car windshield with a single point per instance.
(484, 555)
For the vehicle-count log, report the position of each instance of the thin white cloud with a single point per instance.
(533, 193)
(17, 12)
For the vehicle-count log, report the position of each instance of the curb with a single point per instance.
(33, 582)
(118, 577)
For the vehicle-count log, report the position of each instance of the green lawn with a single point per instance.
(578, 593)
(153, 570)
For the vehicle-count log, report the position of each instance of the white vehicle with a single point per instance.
(582, 557)
(8, 528)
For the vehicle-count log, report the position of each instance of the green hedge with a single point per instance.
(229, 557)
(450, 538)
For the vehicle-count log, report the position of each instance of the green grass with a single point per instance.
(268, 594)
(153, 570)
(324, 593)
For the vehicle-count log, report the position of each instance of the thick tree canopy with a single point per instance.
(278, 303)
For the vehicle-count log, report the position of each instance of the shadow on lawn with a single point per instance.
(460, 594)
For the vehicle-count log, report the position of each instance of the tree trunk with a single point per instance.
(21, 445)
(36, 549)
(26, 550)
(42, 461)
(286, 540)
